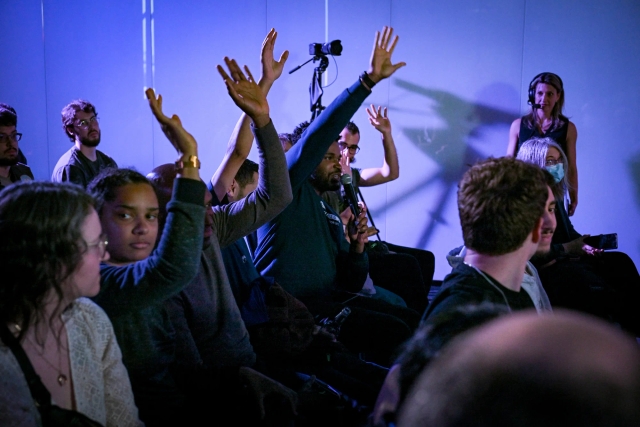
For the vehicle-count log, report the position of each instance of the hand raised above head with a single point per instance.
(271, 69)
(182, 140)
(245, 92)
(381, 66)
(378, 119)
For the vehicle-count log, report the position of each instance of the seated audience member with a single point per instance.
(576, 275)
(528, 370)
(83, 161)
(421, 349)
(531, 283)
(405, 271)
(504, 206)
(136, 282)
(12, 169)
(50, 253)
(304, 249)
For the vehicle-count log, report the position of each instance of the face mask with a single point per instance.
(557, 171)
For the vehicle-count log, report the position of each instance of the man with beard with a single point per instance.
(10, 168)
(83, 161)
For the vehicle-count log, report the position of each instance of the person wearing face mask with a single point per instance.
(545, 120)
(575, 274)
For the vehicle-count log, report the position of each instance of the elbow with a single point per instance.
(393, 175)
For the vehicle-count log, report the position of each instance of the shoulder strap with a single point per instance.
(38, 391)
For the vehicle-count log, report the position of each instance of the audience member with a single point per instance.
(83, 161)
(50, 253)
(405, 271)
(136, 282)
(421, 349)
(576, 275)
(504, 205)
(11, 168)
(304, 247)
(529, 370)
(546, 97)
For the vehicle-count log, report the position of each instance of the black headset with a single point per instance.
(532, 89)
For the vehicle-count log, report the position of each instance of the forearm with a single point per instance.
(304, 156)
(272, 195)
(391, 166)
(170, 267)
(238, 150)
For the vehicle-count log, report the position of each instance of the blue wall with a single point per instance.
(470, 63)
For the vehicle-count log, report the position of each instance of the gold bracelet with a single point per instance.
(191, 162)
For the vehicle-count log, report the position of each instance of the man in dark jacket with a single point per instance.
(506, 211)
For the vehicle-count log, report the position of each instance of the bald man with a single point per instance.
(566, 369)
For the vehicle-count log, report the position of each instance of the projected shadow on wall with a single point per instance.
(451, 146)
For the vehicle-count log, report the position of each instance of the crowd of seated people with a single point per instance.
(135, 300)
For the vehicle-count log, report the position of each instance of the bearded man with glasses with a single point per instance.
(11, 169)
(83, 161)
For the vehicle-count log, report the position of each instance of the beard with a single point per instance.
(9, 162)
(352, 161)
(324, 183)
(88, 142)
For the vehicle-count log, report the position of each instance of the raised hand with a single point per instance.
(378, 119)
(182, 140)
(271, 69)
(245, 92)
(381, 66)
(345, 163)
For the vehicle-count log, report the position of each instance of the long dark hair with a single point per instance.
(41, 246)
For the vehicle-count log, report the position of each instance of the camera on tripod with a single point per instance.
(322, 49)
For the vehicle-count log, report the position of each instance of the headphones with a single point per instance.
(532, 89)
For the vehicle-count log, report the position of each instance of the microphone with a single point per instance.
(536, 105)
(350, 194)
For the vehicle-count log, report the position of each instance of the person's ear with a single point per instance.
(536, 234)
(69, 130)
(232, 190)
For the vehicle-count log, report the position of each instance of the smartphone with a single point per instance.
(603, 241)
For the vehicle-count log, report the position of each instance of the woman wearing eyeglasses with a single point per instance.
(50, 254)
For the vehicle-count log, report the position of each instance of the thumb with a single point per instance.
(398, 66)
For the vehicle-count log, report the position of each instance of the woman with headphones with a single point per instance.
(546, 97)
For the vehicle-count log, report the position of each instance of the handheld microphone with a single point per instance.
(350, 193)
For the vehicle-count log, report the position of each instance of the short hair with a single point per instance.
(499, 202)
(528, 370)
(8, 116)
(535, 151)
(69, 113)
(103, 187)
(297, 132)
(352, 128)
(244, 175)
(431, 337)
(41, 246)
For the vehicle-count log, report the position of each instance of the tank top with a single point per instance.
(558, 135)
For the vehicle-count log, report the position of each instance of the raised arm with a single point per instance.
(239, 145)
(125, 289)
(303, 157)
(572, 173)
(274, 191)
(390, 168)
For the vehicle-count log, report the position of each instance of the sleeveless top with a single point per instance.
(558, 135)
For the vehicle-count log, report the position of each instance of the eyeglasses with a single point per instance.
(552, 162)
(84, 124)
(101, 245)
(342, 145)
(4, 138)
